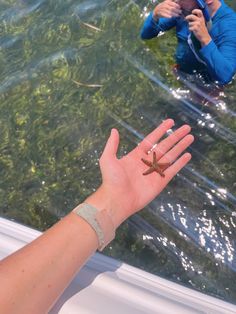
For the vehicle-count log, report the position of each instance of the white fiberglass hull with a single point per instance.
(106, 286)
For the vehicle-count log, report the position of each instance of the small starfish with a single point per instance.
(154, 166)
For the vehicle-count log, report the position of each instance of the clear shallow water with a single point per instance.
(53, 130)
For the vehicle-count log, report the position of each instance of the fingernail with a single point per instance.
(186, 127)
(191, 137)
(113, 130)
(188, 156)
(170, 121)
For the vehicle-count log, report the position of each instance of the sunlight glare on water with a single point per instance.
(72, 70)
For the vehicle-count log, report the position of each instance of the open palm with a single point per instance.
(125, 187)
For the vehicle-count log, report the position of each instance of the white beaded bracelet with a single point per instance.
(100, 221)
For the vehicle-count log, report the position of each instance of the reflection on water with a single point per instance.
(69, 71)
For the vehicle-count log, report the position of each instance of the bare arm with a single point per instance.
(34, 277)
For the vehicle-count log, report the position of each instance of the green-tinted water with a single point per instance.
(53, 130)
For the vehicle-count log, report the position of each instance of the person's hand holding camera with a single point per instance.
(167, 9)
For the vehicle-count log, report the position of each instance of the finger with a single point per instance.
(167, 15)
(191, 18)
(177, 150)
(172, 9)
(112, 144)
(176, 12)
(177, 166)
(168, 2)
(165, 145)
(193, 28)
(174, 5)
(155, 135)
(197, 12)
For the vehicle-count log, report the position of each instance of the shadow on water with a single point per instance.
(69, 72)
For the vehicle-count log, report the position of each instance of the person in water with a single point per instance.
(35, 276)
(206, 33)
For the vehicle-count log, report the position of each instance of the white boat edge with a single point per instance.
(105, 285)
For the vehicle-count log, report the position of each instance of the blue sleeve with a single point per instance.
(152, 28)
(221, 60)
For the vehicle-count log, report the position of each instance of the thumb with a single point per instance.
(197, 12)
(112, 145)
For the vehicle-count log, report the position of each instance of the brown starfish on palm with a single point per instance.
(155, 166)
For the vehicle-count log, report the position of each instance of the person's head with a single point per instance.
(193, 3)
(188, 6)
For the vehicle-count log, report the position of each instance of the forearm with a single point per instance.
(154, 25)
(35, 276)
(219, 67)
(150, 28)
(205, 40)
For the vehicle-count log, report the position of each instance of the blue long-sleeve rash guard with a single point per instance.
(219, 55)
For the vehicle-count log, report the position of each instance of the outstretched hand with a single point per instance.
(125, 190)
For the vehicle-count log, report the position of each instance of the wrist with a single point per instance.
(205, 40)
(155, 15)
(100, 222)
(101, 199)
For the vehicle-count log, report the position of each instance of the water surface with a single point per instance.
(72, 70)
